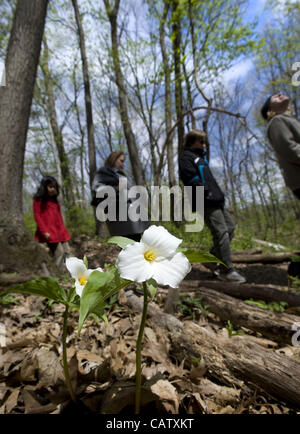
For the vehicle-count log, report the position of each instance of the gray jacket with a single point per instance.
(284, 134)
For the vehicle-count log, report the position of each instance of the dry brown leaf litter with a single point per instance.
(102, 361)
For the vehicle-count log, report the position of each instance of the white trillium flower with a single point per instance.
(154, 257)
(79, 272)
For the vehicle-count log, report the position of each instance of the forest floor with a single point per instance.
(102, 359)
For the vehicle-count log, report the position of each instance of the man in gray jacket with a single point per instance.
(284, 135)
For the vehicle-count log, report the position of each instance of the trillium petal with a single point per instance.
(132, 265)
(159, 239)
(76, 267)
(78, 288)
(171, 272)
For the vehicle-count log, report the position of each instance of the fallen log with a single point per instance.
(274, 325)
(265, 258)
(268, 244)
(230, 361)
(247, 252)
(245, 291)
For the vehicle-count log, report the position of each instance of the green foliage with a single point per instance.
(230, 328)
(120, 241)
(152, 286)
(80, 221)
(294, 282)
(43, 287)
(189, 306)
(29, 222)
(195, 256)
(273, 305)
(99, 288)
(7, 300)
(196, 361)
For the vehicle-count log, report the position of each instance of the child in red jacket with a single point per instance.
(50, 224)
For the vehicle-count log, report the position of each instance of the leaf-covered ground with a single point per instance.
(102, 360)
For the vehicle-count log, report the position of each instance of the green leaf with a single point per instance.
(85, 261)
(196, 256)
(73, 297)
(152, 286)
(100, 286)
(43, 287)
(104, 317)
(120, 241)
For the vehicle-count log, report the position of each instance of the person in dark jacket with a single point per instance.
(284, 135)
(112, 174)
(50, 225)
(194, 171)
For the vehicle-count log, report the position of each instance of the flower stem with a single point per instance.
(65, 361)
(139, 352)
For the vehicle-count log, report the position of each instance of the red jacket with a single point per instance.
(49, 219)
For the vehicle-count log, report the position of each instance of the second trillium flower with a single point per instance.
(79, 272)
(154, 257)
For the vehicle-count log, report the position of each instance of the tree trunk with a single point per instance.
(168, 97)
(100, 226)
(19, 251)
(136, 165)
(87, 94)
(15, 102)
(58, 137)
(176, 46)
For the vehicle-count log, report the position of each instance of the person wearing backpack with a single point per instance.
(194, 171)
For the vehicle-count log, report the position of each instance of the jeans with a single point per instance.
(222, 228)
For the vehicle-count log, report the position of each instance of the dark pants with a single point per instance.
(135, 237)
(222, 228)
(297, 193)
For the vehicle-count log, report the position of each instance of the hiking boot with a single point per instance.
(232, 276)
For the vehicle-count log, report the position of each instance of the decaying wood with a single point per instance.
(230, 360)
(265, 258)
(268, 244)
(255, 251)
(245, 291)
(171, 301)
(162, 319)
(274, 325)
(10, 278)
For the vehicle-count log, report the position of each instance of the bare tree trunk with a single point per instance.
(21, 251)
(87, 94)
(81, 152)
(176, 30)
(56, 130)
(168, 98)
(54, 149)
(100, 227)
(112, 13)
(15, 102)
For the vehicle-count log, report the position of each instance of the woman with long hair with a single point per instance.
(112, 174)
